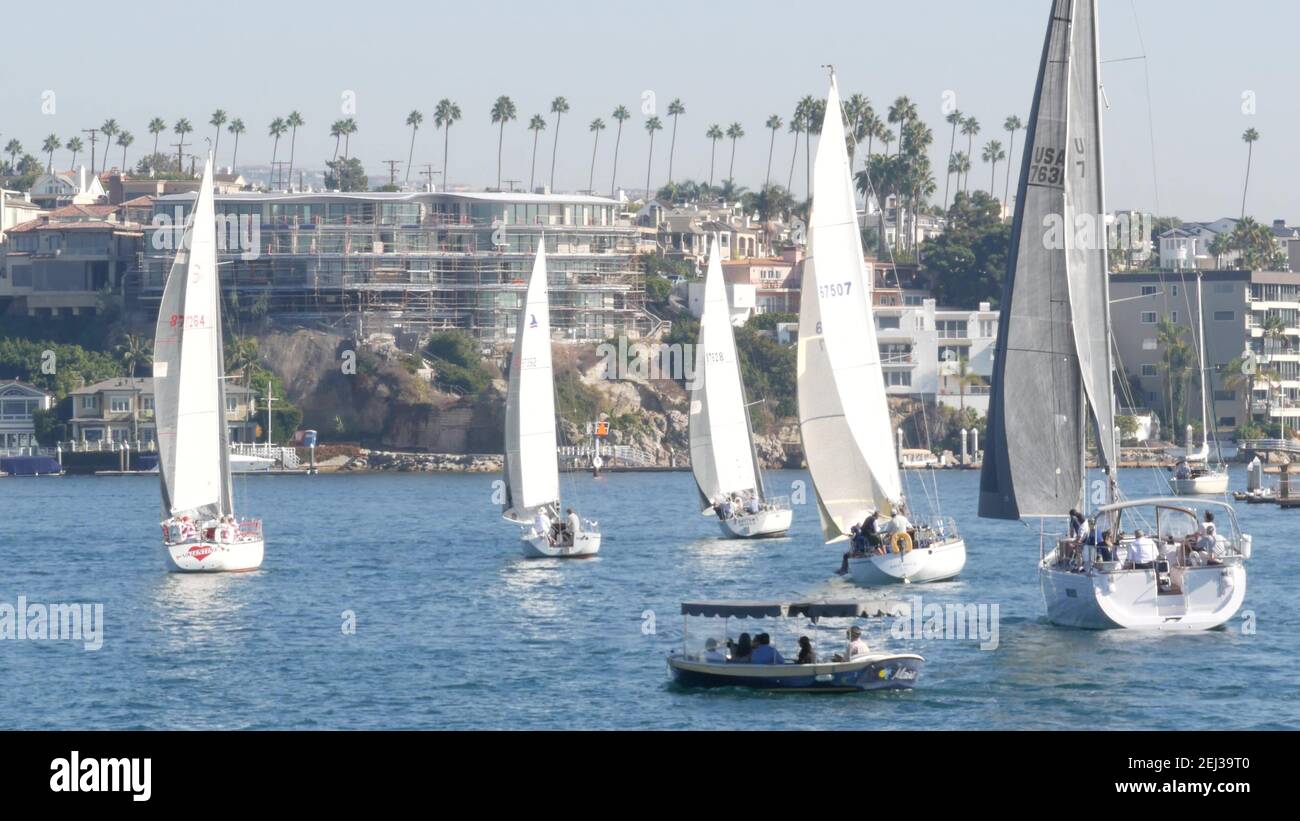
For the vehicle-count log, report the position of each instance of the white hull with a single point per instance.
(1208, 484)
(214, 557)
(1104, 600)
(930, 564)
(539, 547)
(757, 525)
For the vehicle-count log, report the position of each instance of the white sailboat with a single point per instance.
(843, 411)
(723, 461)
(200, 531)
(1194, 475)
(532, 473)
(1054, 378)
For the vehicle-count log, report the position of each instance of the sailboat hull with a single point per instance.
(1130, 599)
(1205, 484)
(761, 525)
(539, 547)
(214, 557)
(935, 563)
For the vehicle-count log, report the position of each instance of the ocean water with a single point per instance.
(454, 629)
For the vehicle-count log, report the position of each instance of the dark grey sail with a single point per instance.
(1033, 462)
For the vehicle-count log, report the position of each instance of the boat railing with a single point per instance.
(250, 528)
(943, 527)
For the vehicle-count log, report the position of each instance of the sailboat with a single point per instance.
(848, 439)
(1054, 378)
(200, 530)
(723, 460)
(1195, 475)
(532, 472)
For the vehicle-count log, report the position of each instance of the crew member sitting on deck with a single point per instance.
(806, 653)
(542, 524)
(857, 647)
(751, 505)
(1142, 552)
(871, 530)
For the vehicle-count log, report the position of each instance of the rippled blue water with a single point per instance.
(455, 629)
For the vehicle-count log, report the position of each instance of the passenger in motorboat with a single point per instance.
(806, 653)
(857, 647)
(741, 649)
(764, 652)
(712, 654)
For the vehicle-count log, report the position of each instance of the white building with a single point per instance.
(741, 297)
(931, 352)
(67, 188)
(19, 401)
(1188, 245)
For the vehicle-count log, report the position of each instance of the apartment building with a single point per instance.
(122, 410)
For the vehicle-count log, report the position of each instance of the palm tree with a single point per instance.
(1012, 125)
(349, 128)
(559, 107)
(675, 110)
(1220, 246)
(966, 378)
(134, 350)
(236, 127)
(276, 130)
(797, 121)
(413, 120)
(734, 131)
(954, 119)
(651, 126)
(856, 110)
(993, 154)
(74, 145)
(536, 125)
(124, 139)
(902, 112)
(503, 111)
(217, 120)
(181, 128)
(621, 114)
(295, 119)
(52, 143)
(1249, 138)
(336, 131)
(774, 124)
(109, 129)
(813, 125)
(714, 134)
(13, 148)
(444, 116)
(156, 127)
(1177, 357)
(597, 126)
(970, 128)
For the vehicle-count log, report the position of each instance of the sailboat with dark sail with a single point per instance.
(1159, 563)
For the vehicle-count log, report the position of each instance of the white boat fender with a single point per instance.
(1247, 546)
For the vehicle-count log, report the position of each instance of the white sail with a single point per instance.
(722, 453)
(532, 469)
(843, 412)
(188, 396)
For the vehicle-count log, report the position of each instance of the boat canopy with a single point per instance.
(844, 609)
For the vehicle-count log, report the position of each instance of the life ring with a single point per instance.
(901, 542)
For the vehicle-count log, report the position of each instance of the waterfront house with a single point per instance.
(121, 410)
(19, 402)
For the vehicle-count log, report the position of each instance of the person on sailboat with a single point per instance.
(542, 524)
(1079, 528)
(751, 505)
(723, 508)
(1142, 552)
(900, 530)
(575, 526)
(871, 531)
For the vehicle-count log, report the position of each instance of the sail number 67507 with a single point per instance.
(835, 289)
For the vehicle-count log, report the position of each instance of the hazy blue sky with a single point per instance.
(726, 61)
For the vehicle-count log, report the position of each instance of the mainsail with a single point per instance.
(531, 467)
(1052, 373)
(843, 413)
(722, 452)
(189, 395)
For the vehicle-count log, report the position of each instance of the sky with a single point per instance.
(1215, 69)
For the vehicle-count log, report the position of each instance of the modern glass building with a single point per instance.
(420, 261)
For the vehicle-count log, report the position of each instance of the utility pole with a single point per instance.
(180, 154)
(269, 400)
(392, 170)
(93, 134)
(512, 184)
(277, 171)
(428, 173)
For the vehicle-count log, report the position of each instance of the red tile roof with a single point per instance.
(92, 211)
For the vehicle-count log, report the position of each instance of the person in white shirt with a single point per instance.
(542, 523)
(899, 523)
(712, 654)
(575, 526)
(857, 647)
(1142, 552)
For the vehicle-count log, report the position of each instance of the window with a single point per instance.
(1224, 316)
(88, 403)
(951, 328)
(1173, 291)
(1149, 290)
(885, 323)
(898, 378)
(1225, 396)
(988, 328)
(119, 404)
(951, 353)
(1227, 421)
(1148, 317)
(1223, 287)
(1149, 344)
(1149, 369)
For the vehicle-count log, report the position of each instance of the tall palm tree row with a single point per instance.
(445, 115)
(52, 143)
(621, 114)
(713, 135)
(109, 129)
(181, 128)
(1011, 126)
(651, 126)
(217, 120)
(74, 145)
(236, 128)
(1250, 137)
(13, 148)
(124, 139)
(734, 132)
(413, 120)
(156, 126)
(536, 125)
(773, 124)
(293, 121)
(597, 126)
(675, 110)
(559, 107)
(970, 128)
(503, 111)
(276, 130)
(993, 154)
(954, 119)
